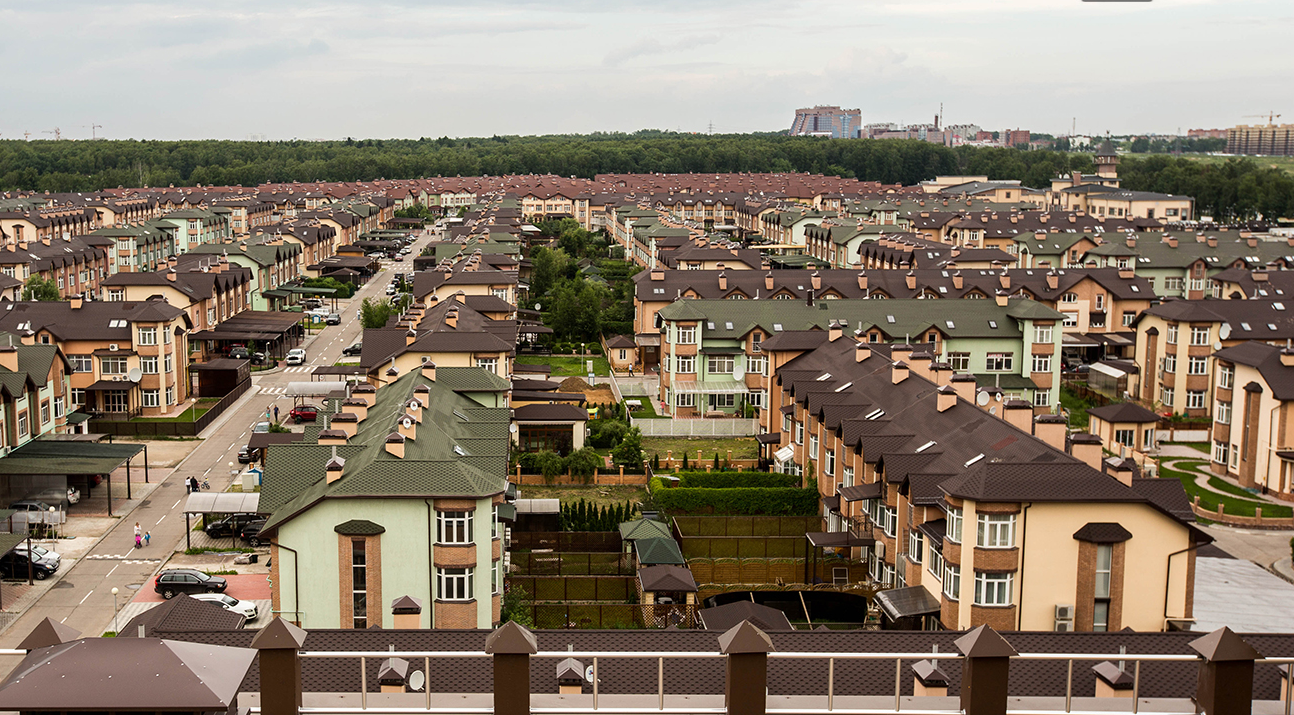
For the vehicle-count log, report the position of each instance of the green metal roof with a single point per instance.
(60, 457)
(470, 379)
(643, 529)
(660, 550)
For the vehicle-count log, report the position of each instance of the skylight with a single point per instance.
(1278, 306)
(950, 325)
(709, 326)
(1271, 326)
(727, 326)
(889, 318)
(874, 414)
(777, 327)
(1135, 289)
(1245, 326)
(459, 451)
(460, 415)
(844, 387)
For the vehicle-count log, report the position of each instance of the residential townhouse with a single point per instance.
(967, 519)
(139, 247)
(1180, 263)
(272, 264)
(117, 212)
(34, 391)
(208, 289)
(75, 265)
(246, 213)
(126, 358)
(406, 483)
(346, 225)
(1253, 436)
(1176, 341)
(1255, 284)
(46, 224)
(318, 241)
(787, 227)
(709, 210)
(198, 227)
(471, 277)
(445, 333)
(712, 361)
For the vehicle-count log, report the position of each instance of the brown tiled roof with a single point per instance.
(182, 614)
(1123, 412)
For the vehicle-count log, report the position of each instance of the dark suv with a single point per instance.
(173, 581)
(14, 565)
(252, 532)
(230, 525)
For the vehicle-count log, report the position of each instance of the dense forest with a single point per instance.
(1238, 188)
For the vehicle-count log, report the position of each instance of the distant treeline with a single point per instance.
(1234, 189)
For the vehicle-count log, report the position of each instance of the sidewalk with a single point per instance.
(1284, 568)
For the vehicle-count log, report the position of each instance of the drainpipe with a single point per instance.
(1024, 535)
(296, 580)
(431, 567)
(1192, 547)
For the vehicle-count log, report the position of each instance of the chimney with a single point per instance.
(1004, 279)
(347, 422)
(1086, 448)
(356, 406)
(1020, 414)
(410, 337)
(768, 281)
(406, 613)
(414, 407)
(911, 280)
(365, 392)
(719, 266)
(391, 676)
(76, 302)
(928, 680)
(1252, 242)
(834, 330)
(1051, 429)
(723, 281)
(1287, 356)
(945, 398)
(9, 358)
(958, 281)
(395, 445)
(862, 275)
(964, 385)
(920, 364)
(407, 426)
(862, 351)
(334, 467)
(461, 297)
(171, 275)
(429, 370)
(1076, 178)
(1120, 469)
(331, 436)
(815, 280)
(658, 274)
(1172, 242)
(451, 318)
(1212, 241)
(1001, 298)
(899, 372)
(1053, 280)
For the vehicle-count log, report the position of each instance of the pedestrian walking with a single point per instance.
(137, 530)
(276, 413)
(147, 535)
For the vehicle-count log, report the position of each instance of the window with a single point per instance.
(1235, 456)
(1195, 399)
(58, 407)
(686, 336)
(1197, 284)
(755, 399)
(757, 365)
(952, 581)
(1042, 398)
(719, 364)
(78, 396)
(44, 411)
(621, 358)
(148, 336)
(1196, 365)
(1170, 363)
(1148, 439)
(1041, 363)
(166, 337)
(211, 316)
(113, 365)
(118, 294)
(1220, 452)
(1125, 437)
(1100, 297)
(1172, 284)
(494, 578)
(1069, 298)
(1101, 612)
(685, 363)
(954, 529)
(756, 338)
(1128, 317)
(936, 565)
(786, 423)
(148, 365)
(998, 362)
(1167, 396)
(849, 476)
(685, 399)
(993, 589)
(916, 545)
(960, 362)
(1042, 333)
(358, 584)
(830, 467)
(1170, 335)
(151, 397)
(170, 394)
(1199, 335)
(454, 584)
(454, 527)
(813, 446)
(489, 364)
(799, 433)
(1226, 377)
(1070, 320)
(168, 364)
(81, 363)
(725, 400)
(995, 531)
(1223, 414)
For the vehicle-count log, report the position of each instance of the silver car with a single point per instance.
(246, 609)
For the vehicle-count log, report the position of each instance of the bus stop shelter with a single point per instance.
(218, 503)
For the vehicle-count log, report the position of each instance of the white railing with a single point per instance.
(699, 427)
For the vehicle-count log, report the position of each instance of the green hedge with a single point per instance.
(737, 480)
(738, 500)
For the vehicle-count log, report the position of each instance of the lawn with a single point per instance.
(1284, 163)
(597, 494)
(1077, 407)
(742, 447)
(197, 410)
(568, 365)
(1235, 500)
(648, 409)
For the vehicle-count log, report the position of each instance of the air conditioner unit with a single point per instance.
(879, 547)
(1064, 612)
(112, 346)
(1063, 626)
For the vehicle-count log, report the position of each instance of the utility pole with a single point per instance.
(710, 127)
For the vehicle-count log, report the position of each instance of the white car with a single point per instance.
(296, 356)
(246, 609)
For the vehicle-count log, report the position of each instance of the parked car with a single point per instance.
(247, 455)
(42, 553)
(390, 288)
(261, 427)
(312, 303)
(252, 532)
(30, 505)
(296, 356)
(354, 348)
(304, 413)
(239, 353)
(258, 358)
(14, 565)
(173, 581)
(333, 319)
(230, 525)
(246, 609)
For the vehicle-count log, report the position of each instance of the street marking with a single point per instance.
(85, 597)
(160, 520)
(177, 503)
(122, 558)
(114, 568)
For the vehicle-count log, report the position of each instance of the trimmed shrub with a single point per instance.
(737, 500)
(737, 480)
(584, 462)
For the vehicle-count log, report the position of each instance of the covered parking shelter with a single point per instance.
(218, 503)
(278, 330)
(46, 466)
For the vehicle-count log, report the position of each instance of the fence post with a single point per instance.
(1226, 683)
(984, 672)
(511, 645)
(280, 663)
(746, 687)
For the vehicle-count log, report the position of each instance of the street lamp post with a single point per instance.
(114, 610)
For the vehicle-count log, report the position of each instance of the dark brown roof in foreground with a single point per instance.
(182, 614)
(722, 618)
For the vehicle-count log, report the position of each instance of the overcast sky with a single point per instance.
(337, 68)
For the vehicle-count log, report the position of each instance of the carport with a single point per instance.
(38, 463)
(218, 503)
(8, 542)
(301, 390)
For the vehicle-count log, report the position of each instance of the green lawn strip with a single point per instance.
(1077, 407)
(1197, 446)
(568, 366)
(1232, 501)
(742, 448)
(648, 409)
(189, 415)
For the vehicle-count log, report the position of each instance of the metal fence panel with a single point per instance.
(717, 427)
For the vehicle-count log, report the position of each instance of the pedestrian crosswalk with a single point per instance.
(271, 390)
(124, 558)
(299, 368)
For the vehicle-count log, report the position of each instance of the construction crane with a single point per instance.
(92, 127)
(1271, 116)
(58, 133)
(26, 136)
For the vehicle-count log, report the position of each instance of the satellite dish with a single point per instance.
(588, 673)
(1224, 332)
(1217, 345)
(134, 375)
(417, 680)
(981, 399)
(407, 422)
(512, 428)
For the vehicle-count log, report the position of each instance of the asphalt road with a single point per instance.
(83, 598)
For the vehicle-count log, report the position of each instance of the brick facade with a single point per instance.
(455, 614)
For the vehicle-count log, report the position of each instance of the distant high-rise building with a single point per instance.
(1206, 134)
(1013, 137)
(831, 122)
(1268, 140)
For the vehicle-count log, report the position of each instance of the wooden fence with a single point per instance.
(745, 525)
(600, 541)
(768, 571)
(612, 615)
